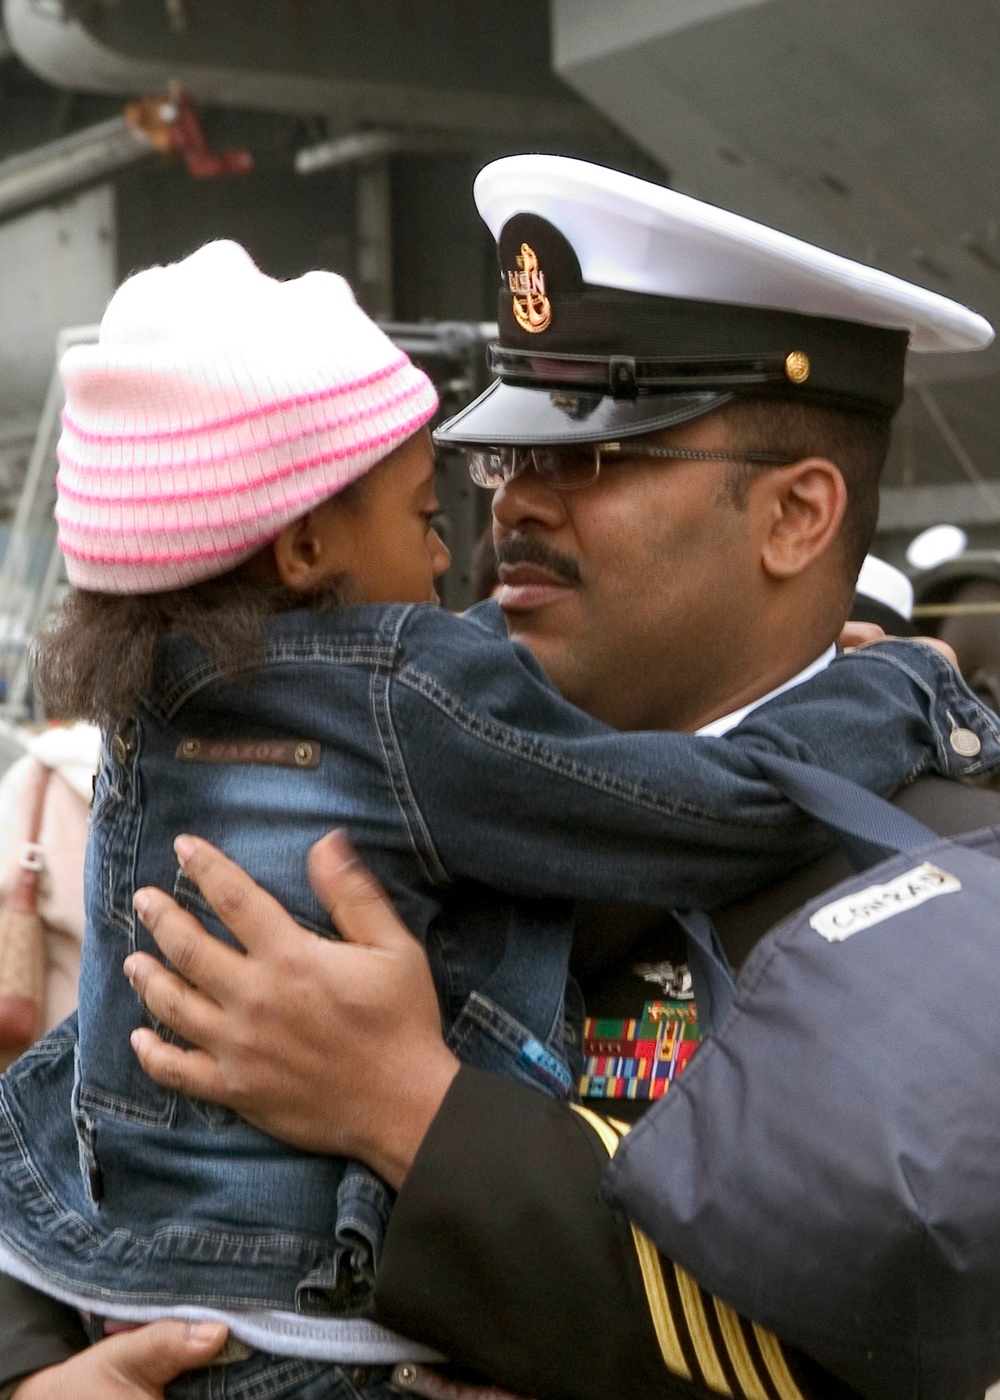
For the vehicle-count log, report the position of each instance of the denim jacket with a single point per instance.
(483, 802)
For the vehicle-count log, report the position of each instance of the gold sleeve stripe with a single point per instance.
(774, 1360)
(701, 1337)
(694, 1312)
(739, 1352)
(659, 1306)
(607, 1134)
(649, 1265)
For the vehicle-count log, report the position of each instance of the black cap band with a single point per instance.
(705, 345)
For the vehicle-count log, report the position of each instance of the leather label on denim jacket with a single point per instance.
(272, 753)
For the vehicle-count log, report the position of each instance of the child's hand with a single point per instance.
(333, 1047)
(861, 634)
(130, 1365)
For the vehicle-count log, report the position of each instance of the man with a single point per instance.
(680, 477)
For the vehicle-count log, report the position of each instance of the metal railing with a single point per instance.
(31, 573)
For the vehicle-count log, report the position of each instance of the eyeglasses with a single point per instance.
(569, 468)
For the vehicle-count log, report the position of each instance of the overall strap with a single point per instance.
(712, 979)
(529, 981)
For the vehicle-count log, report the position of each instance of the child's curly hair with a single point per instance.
(99, 652)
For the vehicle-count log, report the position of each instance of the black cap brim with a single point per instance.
(514, 415)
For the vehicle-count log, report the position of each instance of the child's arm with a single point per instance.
(501, 779)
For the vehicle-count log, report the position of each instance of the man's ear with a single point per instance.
(299, 554)
(800, 509)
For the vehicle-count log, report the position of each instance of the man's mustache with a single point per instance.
(525, 549)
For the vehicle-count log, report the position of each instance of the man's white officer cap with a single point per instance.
(625, 308)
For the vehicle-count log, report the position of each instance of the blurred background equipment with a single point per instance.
(958, 600)
(44, 805)
(935, 545)
(31, 572)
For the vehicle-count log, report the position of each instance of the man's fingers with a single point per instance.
(247, 911)
(356, 902)
(200, 959)
(190, 1072)
(151, 1356)
(171, 1000)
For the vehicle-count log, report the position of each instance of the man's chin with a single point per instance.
(553, 653)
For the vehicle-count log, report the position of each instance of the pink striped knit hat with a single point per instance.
(218, 406)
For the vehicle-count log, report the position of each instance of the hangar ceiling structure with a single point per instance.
(870, 127)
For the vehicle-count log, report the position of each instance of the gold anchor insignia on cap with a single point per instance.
(797, 366)
(532, 308)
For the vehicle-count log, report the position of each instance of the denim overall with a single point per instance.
(482, 801)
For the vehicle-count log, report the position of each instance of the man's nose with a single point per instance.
(528, 498)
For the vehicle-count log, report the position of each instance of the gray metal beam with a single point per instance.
(357, 146)
(373, 260)
(916, 507)
(61, 167)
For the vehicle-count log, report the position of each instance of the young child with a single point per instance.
(246, 506)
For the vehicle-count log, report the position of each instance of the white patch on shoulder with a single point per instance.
(855, 912)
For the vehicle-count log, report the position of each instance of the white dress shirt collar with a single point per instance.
(718, 727)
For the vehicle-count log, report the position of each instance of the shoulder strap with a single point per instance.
(712, 979)
(847, 808)
(867, 827)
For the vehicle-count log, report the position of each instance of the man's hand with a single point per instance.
(332, 1047)
(129, 1366)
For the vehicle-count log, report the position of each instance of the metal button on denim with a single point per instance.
(964, 742)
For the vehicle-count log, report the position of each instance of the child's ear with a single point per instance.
(298, 554)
